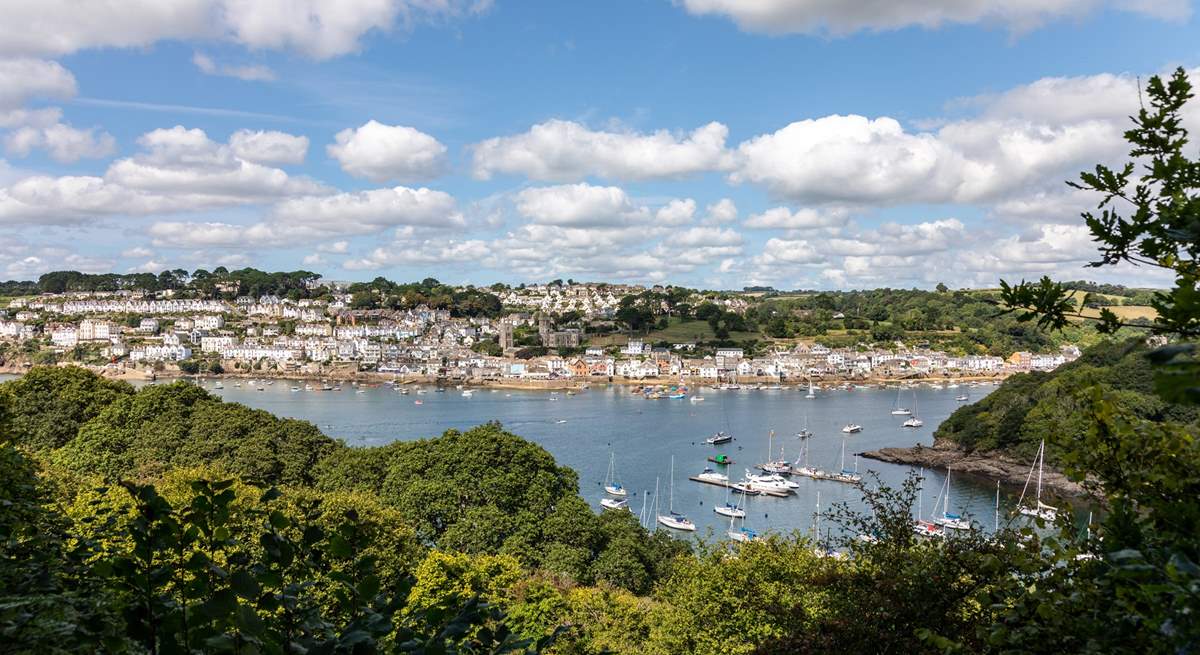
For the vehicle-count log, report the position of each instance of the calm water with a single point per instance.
(581, 430)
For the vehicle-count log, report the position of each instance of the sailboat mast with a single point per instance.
(996, 527)
(946, 498)
(1041, 461)
(921, 496)
(656, 482)
(672, 506)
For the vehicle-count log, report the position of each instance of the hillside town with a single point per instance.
(152, 334)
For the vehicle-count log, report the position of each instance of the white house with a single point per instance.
(160, 353)
(91, 329)
(211, 322)
(215, 344)
(64, 336)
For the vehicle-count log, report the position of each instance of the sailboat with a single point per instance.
(805, 469)
(804, 432)
(1041, 510)
(611, 485)
(897, 410)
(948, 520)
(673, 519)
(921, 526)
(913, 421)
(812, 392)
(742, 534)
(781, 465)
(846, 475)
(730, 509)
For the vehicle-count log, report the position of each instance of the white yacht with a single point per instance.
(710, 475)
(743, 534)
(732, 511)
(673, 519)
(770, 483)
(852, 428)
(611, 486)
(614, 503)
(897, 409)
(948, 519)
(1039, 510)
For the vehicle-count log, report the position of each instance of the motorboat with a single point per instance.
(710, 475)
(744, 488)
(772, 483)
(614, 503)
(852, 428)
(719, 438)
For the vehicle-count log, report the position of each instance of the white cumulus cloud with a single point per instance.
(269, 146)
(381, 153)
(562, 151)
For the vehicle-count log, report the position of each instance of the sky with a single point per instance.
(801, 144)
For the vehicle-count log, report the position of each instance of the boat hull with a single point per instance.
(676, 524)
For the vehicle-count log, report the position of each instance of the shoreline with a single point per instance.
(991, 465)
(347, 374)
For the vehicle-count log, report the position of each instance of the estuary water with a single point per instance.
(581, 430)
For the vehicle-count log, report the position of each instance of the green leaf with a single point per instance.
(244, 584)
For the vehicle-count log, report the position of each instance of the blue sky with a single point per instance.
(697, 142)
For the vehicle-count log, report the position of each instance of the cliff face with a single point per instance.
(994, 465)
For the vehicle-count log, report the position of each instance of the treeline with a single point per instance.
(218, 283)
(382, 293)
(1029, 406)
